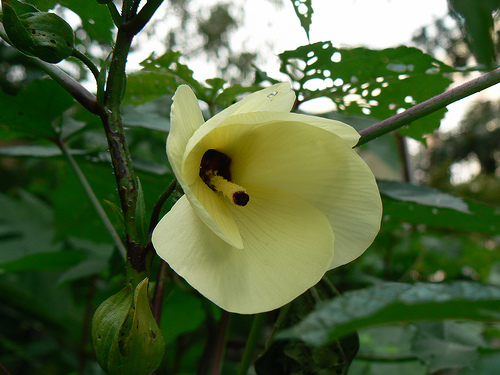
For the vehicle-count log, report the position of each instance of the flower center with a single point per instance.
(215, 172)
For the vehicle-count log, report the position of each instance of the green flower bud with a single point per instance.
(126, 337)
(41, 34)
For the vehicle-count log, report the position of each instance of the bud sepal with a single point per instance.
(126, 337)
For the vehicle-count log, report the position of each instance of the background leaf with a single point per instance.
(422, 195)
(476, 19)
(391, 303)
(362, 81)
(303, 10)
(44, 96)
(448, 345)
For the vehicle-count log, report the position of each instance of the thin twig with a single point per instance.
(4, 370)
(155, 215)
(429, 106)
(159, 292)
(87, 320)
(95, 202)
(220, 343)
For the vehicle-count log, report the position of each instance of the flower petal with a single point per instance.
(323, 171)
(185, 119)
(213, 211)
(288, 246)
(276, 98)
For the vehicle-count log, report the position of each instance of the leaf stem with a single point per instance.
(429, 106)
(252, 342)
(86, 60)
(95, 202)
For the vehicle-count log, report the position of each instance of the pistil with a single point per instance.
(237, 194)
(215, 172)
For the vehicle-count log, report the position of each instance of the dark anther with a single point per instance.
(214, 163)
(240, 198)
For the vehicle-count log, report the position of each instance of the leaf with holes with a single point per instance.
(361, 81)
(304, 10)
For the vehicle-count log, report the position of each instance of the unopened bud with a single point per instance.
(126, 338)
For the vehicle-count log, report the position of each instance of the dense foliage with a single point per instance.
(85, 177)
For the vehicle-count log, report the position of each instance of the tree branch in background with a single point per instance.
(431, 105)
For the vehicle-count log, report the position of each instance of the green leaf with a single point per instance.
(183, 312)
(392, 344)
(146, 86)
(488, 363)
(448, 344)
(75, 216)
(477, 24)
(96, 20)
(32, 112)
(24, 232)
(303, 10)
(395, 303)
(295, 357)
(95, 260)
(44, 261)
(146, 115)
(422, 195)
(361, 81)
(482, 219)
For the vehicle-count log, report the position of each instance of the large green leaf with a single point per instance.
(477, 24)
(95, 260)
(391, 344)
(448, 344)
(75, 216)
(482, 219)
(32, 112)
(422, 195)
(27, 227)
(182, 313)
(395, 303)
(378, 83)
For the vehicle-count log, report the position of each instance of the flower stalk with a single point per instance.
(115, 134)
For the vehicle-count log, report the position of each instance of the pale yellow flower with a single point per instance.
(272, 200)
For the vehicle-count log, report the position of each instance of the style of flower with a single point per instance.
(272, 200)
